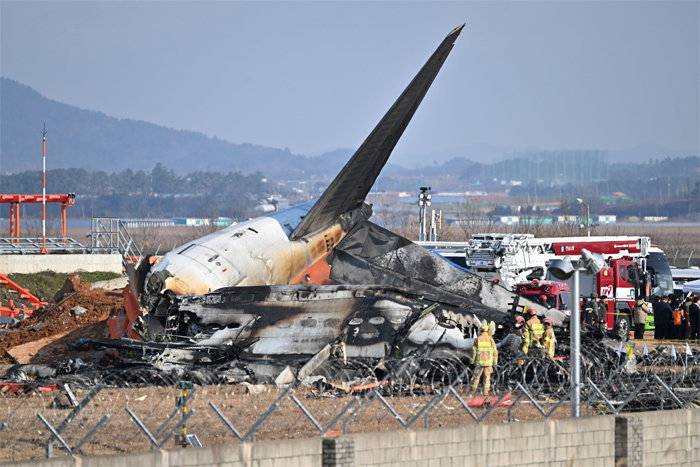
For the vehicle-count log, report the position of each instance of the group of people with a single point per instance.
(674, 318)
(593, 309)
(533, 333)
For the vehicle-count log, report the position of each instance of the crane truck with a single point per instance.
(634, 268)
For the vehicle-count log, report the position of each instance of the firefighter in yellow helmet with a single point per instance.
(548, 340)
(534, 327)
(484, 356)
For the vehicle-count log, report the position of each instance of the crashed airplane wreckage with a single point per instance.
(320, 274)
(383, 296)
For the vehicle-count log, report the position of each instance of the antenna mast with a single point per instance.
(43, 196)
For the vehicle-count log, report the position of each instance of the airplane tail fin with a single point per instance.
(350, 187)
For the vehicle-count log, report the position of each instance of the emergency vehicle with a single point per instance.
(634, 267)
(552, 294)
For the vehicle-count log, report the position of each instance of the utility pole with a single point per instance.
(435, 223)
(423, 203)
(588, 215)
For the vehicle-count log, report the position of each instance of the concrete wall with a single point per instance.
(650, 438)
(284, 453)
(565, 442)
(31, 264)
(671, 437)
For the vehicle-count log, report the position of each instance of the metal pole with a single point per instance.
(588, 220)
(421, 233)
(63, 220)
(575, 349)
(17, 223)
(43, 197)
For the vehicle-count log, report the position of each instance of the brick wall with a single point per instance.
(629, 441)
(338, 452)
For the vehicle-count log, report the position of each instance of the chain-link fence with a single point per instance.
(140, 408)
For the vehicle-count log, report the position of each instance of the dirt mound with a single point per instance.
(84, 315)
(71, 285)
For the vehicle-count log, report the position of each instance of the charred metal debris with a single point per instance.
(384, 297)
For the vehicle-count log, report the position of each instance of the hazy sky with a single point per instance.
(316, 76)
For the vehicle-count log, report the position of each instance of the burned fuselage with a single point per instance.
(364, 321)
(388, 297)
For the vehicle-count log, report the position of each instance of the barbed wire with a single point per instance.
(88, 410)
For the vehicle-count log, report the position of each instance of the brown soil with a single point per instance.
(152, 405)
(43, 337)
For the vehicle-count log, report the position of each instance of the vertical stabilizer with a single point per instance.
(349, 189)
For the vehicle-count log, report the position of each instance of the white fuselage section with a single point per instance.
(255, 252)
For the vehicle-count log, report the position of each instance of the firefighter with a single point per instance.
(548, 340)
(534, 327)
(602, 310)
(484, 356)
(520, 331)
(587, 311)
(595, 309)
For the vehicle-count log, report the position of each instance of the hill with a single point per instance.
(79, 138)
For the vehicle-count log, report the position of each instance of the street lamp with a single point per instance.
(563, 269)
(423, 202)
(588, 216)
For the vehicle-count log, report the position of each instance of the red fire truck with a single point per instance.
(617, 285)
(634, 267)
(553, 294)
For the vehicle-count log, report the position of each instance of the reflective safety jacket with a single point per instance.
(484, 352)
(548, 341)
(535, 328)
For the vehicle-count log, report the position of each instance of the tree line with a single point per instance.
(155, 193)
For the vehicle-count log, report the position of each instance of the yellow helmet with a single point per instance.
(485, 327)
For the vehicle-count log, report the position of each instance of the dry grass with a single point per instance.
(681, 244)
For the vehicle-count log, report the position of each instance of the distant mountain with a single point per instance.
(90, 140)
(648, 152)
(79, 138)
(475, 152)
